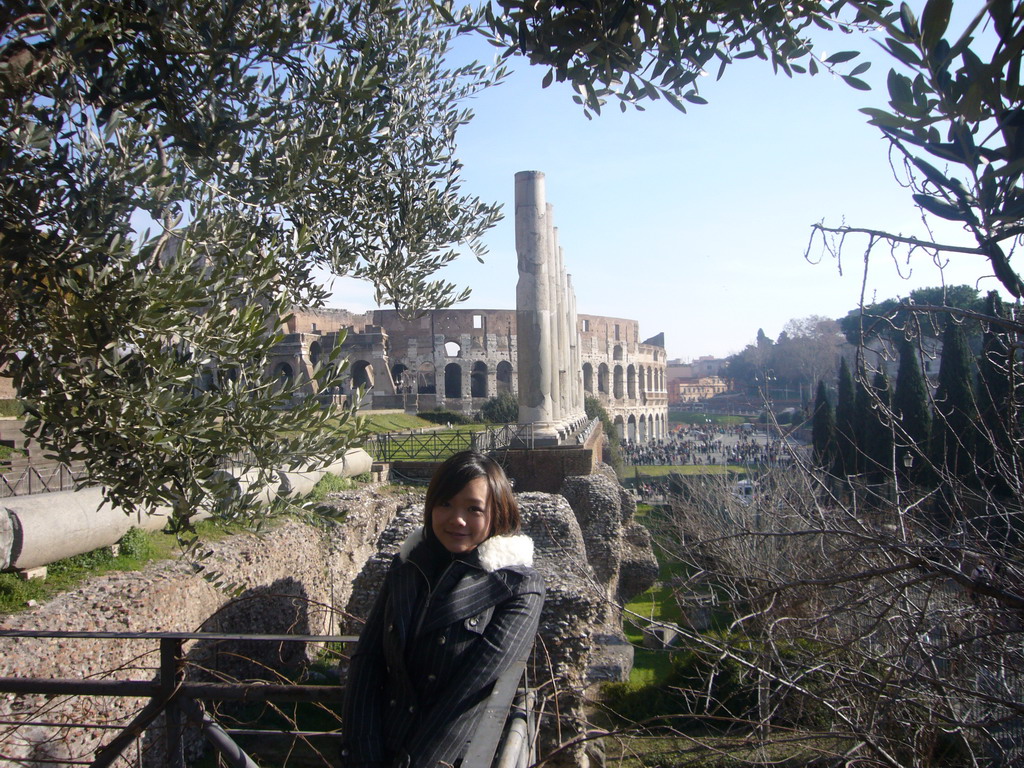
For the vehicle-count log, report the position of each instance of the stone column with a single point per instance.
(563, 340)
(575, 358)
(533, 304)
(554, 302)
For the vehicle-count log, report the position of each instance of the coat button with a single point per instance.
(411, 710)
(344, 753)
(442, 640)
(431, 678)
(474, 621)
(392, 703)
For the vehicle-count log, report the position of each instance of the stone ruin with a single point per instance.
(591, 552)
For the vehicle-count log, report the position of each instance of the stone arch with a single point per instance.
(631, 428)
(362, 375)
(284, 373)
(503, 379)
(426, 383)
(452, 348)
(315, 352)
(618, 383)
(640, 381)
(620, 427)
(651, 376)
(478, 380)
(617, 352)
(453, 381)
(602, 379)
(642, 428)
(398, 370)
(631, 382)
(588, 378)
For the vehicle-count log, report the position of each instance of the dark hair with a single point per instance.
(453, 475)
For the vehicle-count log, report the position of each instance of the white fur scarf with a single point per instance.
(495, 553)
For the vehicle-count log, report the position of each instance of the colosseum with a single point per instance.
(457, 358)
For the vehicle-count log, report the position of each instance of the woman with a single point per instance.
(460, 603)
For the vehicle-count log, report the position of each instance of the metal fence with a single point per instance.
(22, 477)
(437, 446)
(507, 729)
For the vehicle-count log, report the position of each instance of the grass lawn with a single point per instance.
(664, 470)
(715, 751)
(678, 417)
(395, 422)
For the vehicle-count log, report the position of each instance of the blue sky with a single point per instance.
(696, 224)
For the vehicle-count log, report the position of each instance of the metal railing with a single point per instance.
(505, 730)
(437, 446)
(23, 477)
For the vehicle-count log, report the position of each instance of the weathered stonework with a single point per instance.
(289, 577)
(300, 578)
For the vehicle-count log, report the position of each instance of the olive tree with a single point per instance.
(174, 175)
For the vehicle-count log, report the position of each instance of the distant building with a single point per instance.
(457, 358)
(696, 380)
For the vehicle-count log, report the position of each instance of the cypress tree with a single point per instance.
(910, 411)
(846, 430)
(876, 443)
(823, 430)
(995, 404)
(956, 412)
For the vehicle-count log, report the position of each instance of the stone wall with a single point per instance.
(288, 578)
(321, 579)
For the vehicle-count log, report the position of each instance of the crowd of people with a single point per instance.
(706, 444)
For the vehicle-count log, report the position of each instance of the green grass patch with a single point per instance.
(664, 470)
(10, 453)
(715, 751)
(11, 408)
(137, 549)
(696, 417)
(395, 422)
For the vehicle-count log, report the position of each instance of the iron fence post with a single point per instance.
(171, 672)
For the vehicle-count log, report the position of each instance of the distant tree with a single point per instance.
(875, 405)
(503, 409)
(612, 454)
(954, 426)
(823, 430)
(888, 318)
(911, 413)
(997, 405)
(846, 424)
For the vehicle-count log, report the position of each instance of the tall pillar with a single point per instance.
(575, 359)
(533, 304)
(563, 340)
(554, 302)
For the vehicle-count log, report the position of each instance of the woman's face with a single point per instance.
(464, 521)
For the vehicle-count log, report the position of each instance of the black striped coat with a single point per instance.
(426, 661)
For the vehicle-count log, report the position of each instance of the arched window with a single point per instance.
(504, 377)
(602, 379)
(617, 352)
(618, 383)
(478, 380)
(453, 380)
(362, 375)
(284, 373)
(398, 373)
(631, 382)
(588, 378)
(314, 353)
(425, 383)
